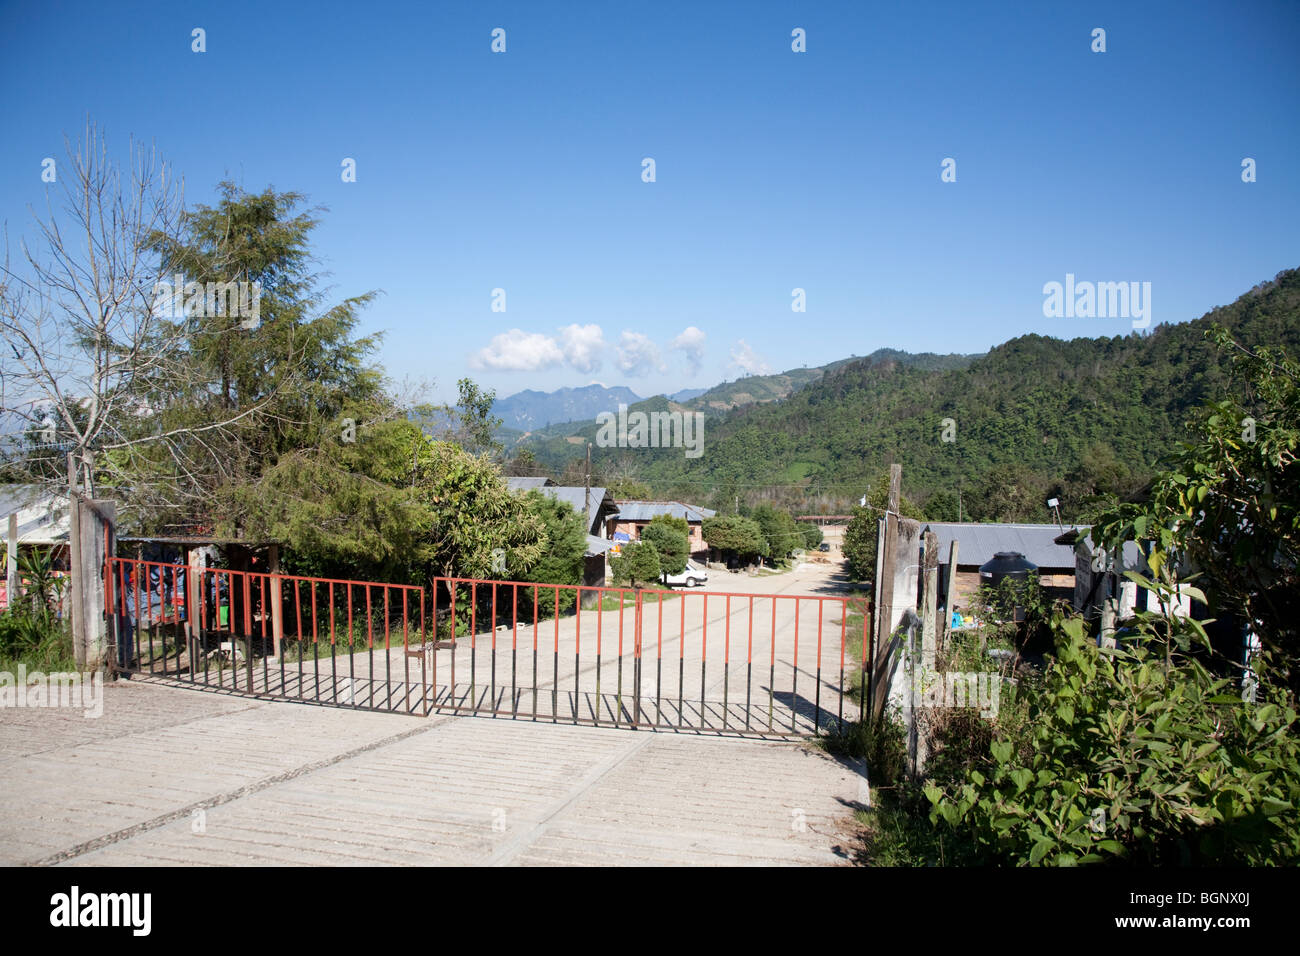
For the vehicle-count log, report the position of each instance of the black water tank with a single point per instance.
(1008, 564)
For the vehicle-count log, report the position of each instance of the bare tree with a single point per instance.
(90, 355)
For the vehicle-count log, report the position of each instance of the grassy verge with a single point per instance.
(612, 602)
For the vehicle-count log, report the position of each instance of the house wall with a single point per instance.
(699, 550)
(964, 586)
(967, 583)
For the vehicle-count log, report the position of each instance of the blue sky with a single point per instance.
(775, 170)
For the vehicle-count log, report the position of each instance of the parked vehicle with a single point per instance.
(693, 576)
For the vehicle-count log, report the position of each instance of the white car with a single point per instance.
(693, 576)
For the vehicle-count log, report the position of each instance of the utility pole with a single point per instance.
(586, 494)
(886, 563)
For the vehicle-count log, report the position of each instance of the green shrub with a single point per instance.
(638, 564)
(1136, 755)
(671, 544)
(36, 638)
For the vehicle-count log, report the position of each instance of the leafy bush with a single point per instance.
(639, 564)
(31, 631)
(672, 546)
(994, 607)
(1227, 501)
(1137, 754)
(36, 638)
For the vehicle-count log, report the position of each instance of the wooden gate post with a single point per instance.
(930, 601)
(1109, 604)
(277, 599)
(196, 561)
(950, 590)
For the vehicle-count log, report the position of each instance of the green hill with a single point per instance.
(552, 444)
(1036, 415)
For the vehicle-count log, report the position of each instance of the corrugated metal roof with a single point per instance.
(597, 545)
(527, 484)
(42, 513)
(574, 498)
(977, 543)
(571, 496)
(646, 510)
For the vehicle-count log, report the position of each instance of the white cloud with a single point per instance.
(518, 351)
(582, 345)
(637, 355)
(691, 343)
(748, 362)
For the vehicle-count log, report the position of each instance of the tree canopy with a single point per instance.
(1227, 501)
(670, 542)
(735, 533)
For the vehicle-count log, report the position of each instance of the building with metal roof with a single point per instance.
(977, 543)
(1094, 585)
(524, 483)
(632, 516)
(644, 511)
(599, 505)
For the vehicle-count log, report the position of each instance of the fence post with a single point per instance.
(94, 527)
(195, 561)
(930, 600)
(950, 592)
(636, 660)
(11, 577)
(886, 561)
(277, 599)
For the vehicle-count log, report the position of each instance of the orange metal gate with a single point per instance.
(685, 660)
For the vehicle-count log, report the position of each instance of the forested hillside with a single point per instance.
(754, 389)
(1084, 419)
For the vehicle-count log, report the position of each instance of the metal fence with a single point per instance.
(286, 636)
(768, 665)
